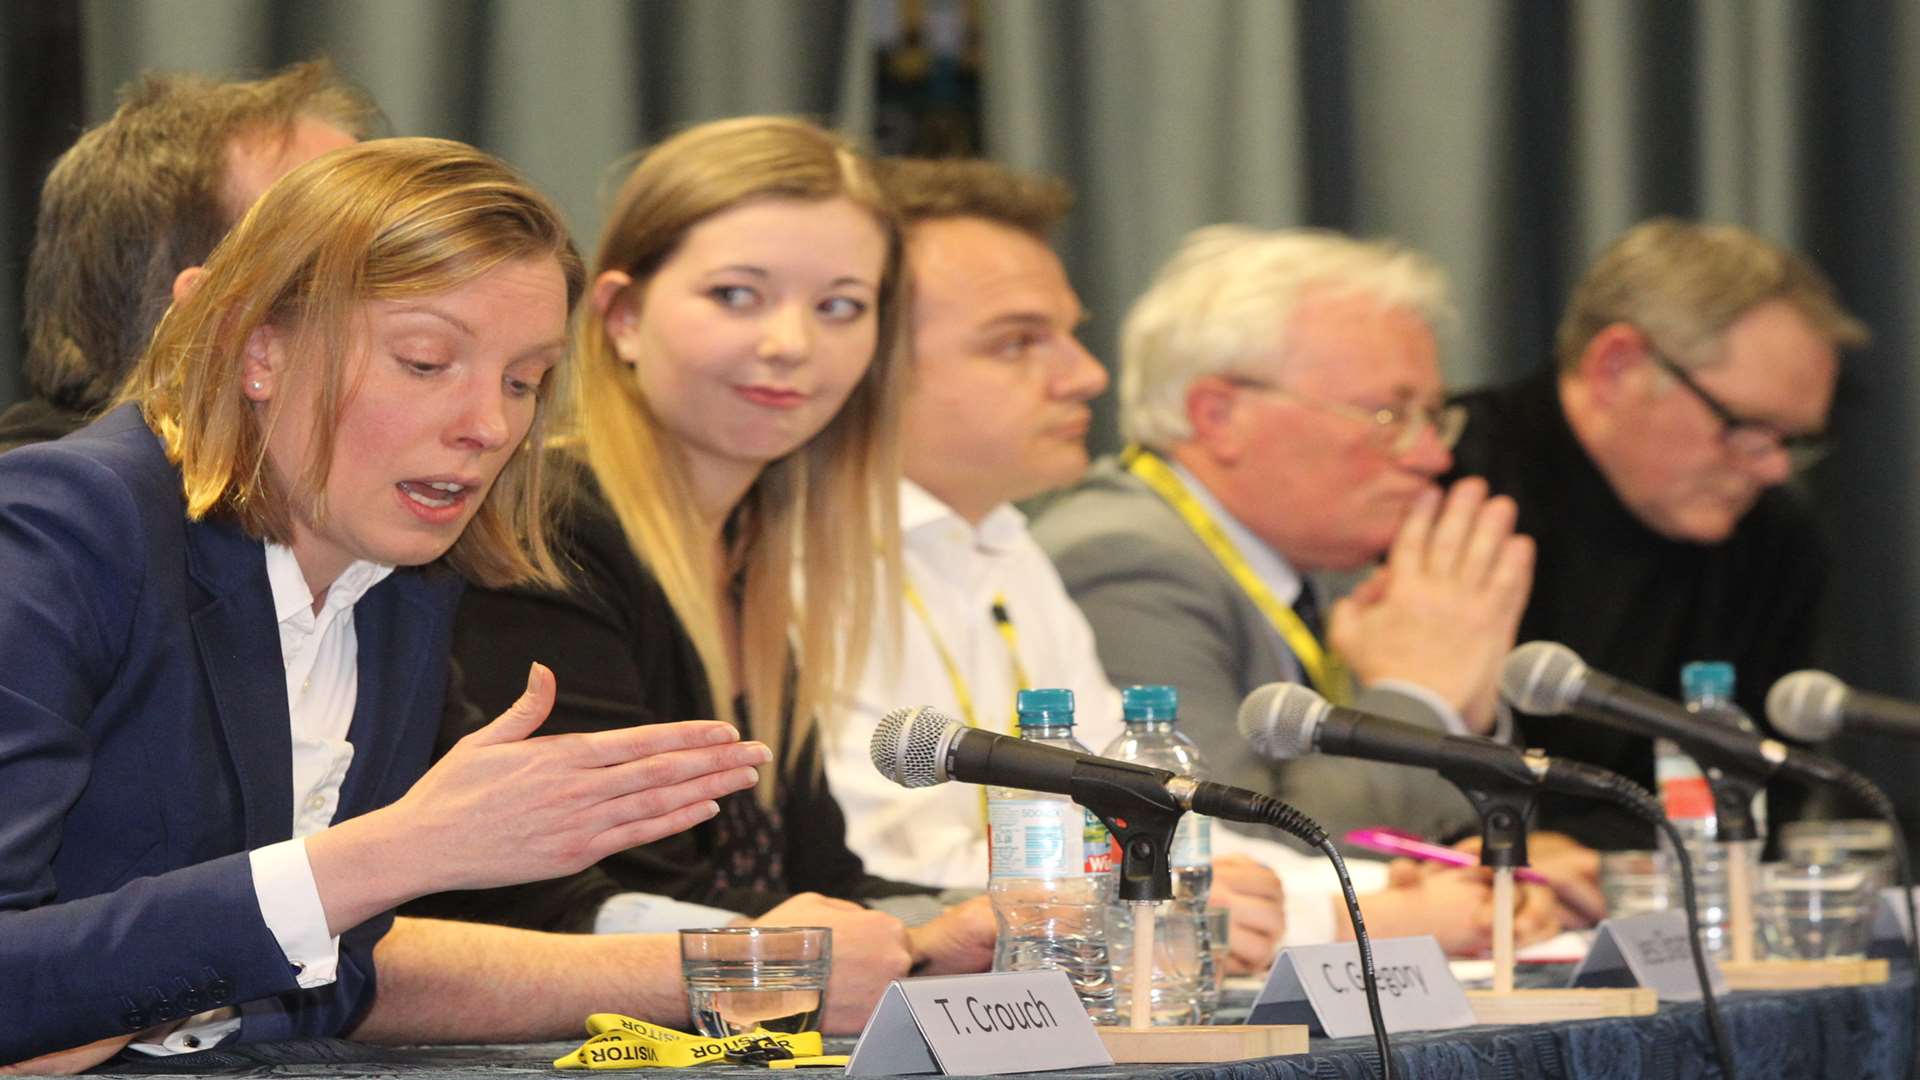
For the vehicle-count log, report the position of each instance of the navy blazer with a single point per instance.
(145, 748)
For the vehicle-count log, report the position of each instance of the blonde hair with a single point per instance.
(1229, 293)
(387, 219)
(820, 510)
(1684, 283)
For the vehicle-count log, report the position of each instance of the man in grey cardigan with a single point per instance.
(1282, 394)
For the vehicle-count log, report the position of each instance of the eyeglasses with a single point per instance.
(1743, 437)
(1392, 428)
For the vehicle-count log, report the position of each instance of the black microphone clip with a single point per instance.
(1142, 820)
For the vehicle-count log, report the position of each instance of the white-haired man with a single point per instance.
(1283, 398)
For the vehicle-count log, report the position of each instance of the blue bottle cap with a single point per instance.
(1045, 708)
(1707, 679)
(1141, 703)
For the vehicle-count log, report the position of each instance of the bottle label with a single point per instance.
(1686, 798)
(1035, 838)
(1192, 842)
(1684, 792)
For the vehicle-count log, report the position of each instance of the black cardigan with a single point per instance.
(621, 658)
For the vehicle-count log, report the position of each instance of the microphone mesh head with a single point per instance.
(1543, 678)
(1279, 720)
(908, 746)
(1807, 705)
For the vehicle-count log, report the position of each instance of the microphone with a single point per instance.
(1813, 706)
(921, 747)
(1547, 678)
(1284, 721)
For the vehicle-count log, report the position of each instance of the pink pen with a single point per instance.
(1395, 842)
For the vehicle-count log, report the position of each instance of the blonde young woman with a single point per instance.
(226, 616)
(740, 370)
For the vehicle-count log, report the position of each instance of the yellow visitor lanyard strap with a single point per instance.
(1003, 621)
(1322, 668)
(621, 1042)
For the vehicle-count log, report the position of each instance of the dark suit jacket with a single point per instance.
(145, 748)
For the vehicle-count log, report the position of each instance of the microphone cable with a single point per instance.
(1640, 802)
(1872, 797)
(1303, 828)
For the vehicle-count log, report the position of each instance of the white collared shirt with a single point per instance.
(936, 835)
(320, 651)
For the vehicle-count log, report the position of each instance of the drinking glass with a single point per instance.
(1866, 841)
(1633, 882)
(1813, 911)
(740, 978)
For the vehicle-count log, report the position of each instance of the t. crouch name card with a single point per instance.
(978, 1025)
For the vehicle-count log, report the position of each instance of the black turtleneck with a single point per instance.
(1631, 602)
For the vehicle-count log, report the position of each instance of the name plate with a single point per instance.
(1647, 950)
(978, 1025)
(1889, 936)
(1323, 987)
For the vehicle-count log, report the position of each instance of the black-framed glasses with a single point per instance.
(1393, 428)
(1745, 437)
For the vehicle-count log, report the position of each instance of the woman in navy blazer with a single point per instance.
(345, 393)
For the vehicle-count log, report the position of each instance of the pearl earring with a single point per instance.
(256, 386)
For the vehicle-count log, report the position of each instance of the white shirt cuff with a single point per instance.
(202, 1031)
(645, 913)
(290, 905)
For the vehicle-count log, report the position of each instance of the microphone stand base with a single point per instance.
(1174, 1045)
(1803, 974)
(1542, 1006)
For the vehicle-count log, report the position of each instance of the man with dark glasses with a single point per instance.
(1695, 369)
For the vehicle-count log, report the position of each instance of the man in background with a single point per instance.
(143, 197)
(998, 413)
(1695, 367)
(1282, 393)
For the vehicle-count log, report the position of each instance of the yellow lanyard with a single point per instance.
(1003, 620)
(621, 1042)
(1004, 623)
(1322, 667)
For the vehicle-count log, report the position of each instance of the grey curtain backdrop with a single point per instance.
(1508, 138)
(1511, 140)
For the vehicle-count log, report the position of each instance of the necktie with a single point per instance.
(1308, 608)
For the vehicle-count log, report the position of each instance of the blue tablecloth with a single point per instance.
(1856, 1033)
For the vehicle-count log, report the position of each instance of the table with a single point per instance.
(1850, 1033)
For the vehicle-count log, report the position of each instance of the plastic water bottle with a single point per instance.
(1687, 797)
(1182, 962)
(1051, 867)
